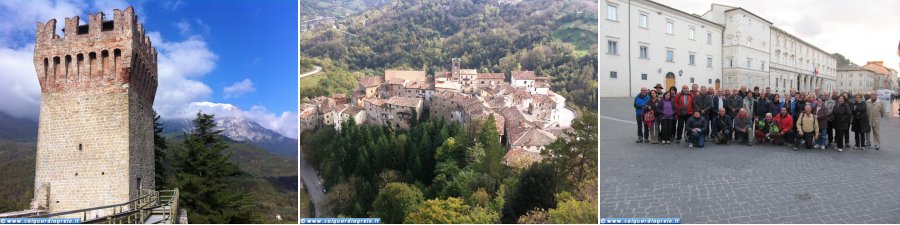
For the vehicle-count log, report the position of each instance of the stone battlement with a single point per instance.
(95, 136)
(101, 56)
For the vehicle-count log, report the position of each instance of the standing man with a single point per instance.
(703, 104)
(876, 112)
(684, 107)
(639, 102)
(718, 104)
(807, 128)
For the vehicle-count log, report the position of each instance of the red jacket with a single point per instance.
(784, 123)
(679, 104)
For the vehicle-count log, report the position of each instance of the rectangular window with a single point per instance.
(612, 48)
(762, 66)
(612, 11)
(670, 55)
(691, 59)
(692, 80)
(643, 76)
(749, 61)
(691, 33)
(643, 52)
(730, 62)
(709, 62)
(613, 75)
(708, 38)
(643, 21)
(670, 26)
(710, 81)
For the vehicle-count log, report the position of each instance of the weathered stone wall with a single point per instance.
(95, 138)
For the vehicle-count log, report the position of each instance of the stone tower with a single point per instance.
(454, 70)
(95, 138)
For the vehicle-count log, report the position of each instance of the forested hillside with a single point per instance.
(554, 38)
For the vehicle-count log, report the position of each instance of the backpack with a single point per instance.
(773, 127)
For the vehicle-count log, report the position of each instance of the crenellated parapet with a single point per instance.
(104, 55)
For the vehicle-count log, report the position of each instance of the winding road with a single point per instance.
(310, 177)
(310, 73)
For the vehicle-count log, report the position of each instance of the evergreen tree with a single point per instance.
(576, 158)
(489, 138)
(202, 177)
(159, 153)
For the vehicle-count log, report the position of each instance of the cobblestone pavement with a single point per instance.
(744, 184)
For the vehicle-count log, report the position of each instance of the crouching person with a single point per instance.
(807, 128)
(723, 125)
(743, 127)
(696, 127)
(765, 129)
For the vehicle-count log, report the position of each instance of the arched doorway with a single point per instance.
(670, 80)
(718, 84)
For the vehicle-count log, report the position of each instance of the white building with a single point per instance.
(855, 79)
(745, 49)
(756, 53)
(647, 43)
(798, 64)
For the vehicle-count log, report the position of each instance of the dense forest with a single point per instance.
(442, 172)
(556, 39)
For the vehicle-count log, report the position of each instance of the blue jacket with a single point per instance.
(639, 103)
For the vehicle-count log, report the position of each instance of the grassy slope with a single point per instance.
(582, 34)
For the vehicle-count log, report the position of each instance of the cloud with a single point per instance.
(184, 27)
(180, 64)
(21, 92)
(808, 27)
(20, 18)
(285, 123)
(172, 4)
(107, 6)
(239, 88)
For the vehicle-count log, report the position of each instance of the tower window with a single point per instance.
(79, 147)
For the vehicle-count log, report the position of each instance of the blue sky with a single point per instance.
(230, 58)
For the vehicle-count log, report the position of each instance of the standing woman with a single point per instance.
(650, 117)
(749, 101)
(860, 122)
(776, 104)
(849, 100)
(666, 112)
(674, 92)
(841, 113)
(823, 114)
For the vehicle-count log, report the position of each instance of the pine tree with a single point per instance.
(202, 177)
(159, 153)
(489, 138)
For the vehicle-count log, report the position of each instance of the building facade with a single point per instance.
(95, 137)
(745, 47)
(644, 43)
(855, 79)
(800, 65)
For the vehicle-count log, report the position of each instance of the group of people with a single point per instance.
(812, 120)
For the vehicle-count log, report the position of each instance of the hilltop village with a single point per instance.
(527, 113)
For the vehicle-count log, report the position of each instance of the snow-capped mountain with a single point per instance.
(242, 129)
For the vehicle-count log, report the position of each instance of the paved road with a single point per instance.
(740, 184)
(312, 180)
(316, 70)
